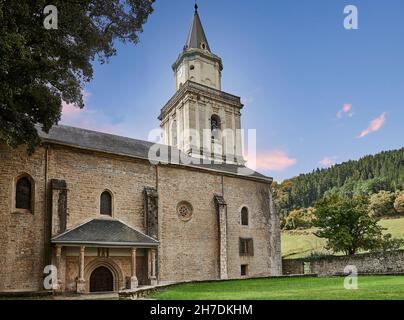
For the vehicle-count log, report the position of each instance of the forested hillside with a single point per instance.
(370, 174)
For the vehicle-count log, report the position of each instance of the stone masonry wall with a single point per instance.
(184, 243)
(188, 250)
(292, 266)
(88, 174)
(370, 263)
(239, 193)
(21, 233)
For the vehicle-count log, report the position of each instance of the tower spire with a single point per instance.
(196, 62)
(196, 37)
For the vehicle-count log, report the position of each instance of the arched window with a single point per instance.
(244, 216)
(106, 204)
(23, 194)
(215, 126)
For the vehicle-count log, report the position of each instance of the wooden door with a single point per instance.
(101, 280)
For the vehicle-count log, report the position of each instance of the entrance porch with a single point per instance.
(104, 255)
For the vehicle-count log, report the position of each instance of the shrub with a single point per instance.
(388, 243)
(299, 219)
(399, 203)
(382, 204)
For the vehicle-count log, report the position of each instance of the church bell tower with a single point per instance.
(200, 119)
(197, 63)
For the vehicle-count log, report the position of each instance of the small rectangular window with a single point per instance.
(246, 247)
(244, 268)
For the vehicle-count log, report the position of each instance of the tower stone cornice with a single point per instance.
(191, 87)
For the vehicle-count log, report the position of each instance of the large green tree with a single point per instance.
(347, 226)
(40, 67)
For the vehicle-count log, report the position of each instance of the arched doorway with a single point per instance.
(101, 280)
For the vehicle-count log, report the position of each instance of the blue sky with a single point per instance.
(311, 88)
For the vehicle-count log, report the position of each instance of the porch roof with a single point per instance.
(105, 232)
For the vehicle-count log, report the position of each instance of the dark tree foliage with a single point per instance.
(370, 174)
(39, 68)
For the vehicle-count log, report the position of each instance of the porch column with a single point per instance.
(81, 282)
(58, 285)
(133, 279)
(152, 265)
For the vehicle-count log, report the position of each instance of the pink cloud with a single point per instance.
(274, 160)
(346, 109)
(374, 126)
(327, 161)
(88, 118)
(71, 109)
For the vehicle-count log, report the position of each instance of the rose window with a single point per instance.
(184, 210)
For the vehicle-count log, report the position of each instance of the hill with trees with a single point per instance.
(366, 176)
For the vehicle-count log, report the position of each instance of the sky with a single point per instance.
(316, 93)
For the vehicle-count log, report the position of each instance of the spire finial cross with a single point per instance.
(196, 6)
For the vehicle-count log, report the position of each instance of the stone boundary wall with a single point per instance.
(391, 262)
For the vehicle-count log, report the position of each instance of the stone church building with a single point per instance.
(109, 216)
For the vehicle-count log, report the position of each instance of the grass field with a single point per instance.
(301, 243)
(369, 288)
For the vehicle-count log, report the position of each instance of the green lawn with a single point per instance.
(301, 243)
(369, 288)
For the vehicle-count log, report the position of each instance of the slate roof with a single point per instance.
(117, 145)
(196, 34)
(105, 231)
(98, 141)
